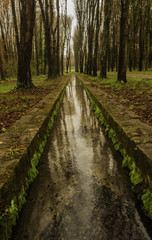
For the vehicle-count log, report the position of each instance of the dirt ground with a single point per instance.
(137, 97)
(17, 102)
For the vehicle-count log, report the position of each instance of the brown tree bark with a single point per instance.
(95, 58)
(47, 28)
(25, 46)
(122, 43)
(141, 37)
(107, 17)
(36, 51)
(63, 44)
(15, 23)
(4, 41)
(2, 67)
(58, 37)
(91, 9)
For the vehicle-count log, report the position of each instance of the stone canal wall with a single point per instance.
(131, 137)
(20, 150)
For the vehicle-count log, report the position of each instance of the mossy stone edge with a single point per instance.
(15, 190)
(138, 163)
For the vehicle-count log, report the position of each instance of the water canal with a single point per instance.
(81, 191)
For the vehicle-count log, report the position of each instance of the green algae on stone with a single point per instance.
(9, 216)
(136, 176)
(147, 201)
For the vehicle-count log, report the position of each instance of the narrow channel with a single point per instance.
(81, 191)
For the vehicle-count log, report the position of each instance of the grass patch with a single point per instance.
(7, 88)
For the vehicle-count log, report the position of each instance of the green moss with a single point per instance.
(147, 201)
(135, 174)
(10, 215)
(126, 161)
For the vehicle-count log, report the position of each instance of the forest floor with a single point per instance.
(14, 103)
(136, 94)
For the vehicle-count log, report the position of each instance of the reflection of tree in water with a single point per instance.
(78, 201)
(61, 155)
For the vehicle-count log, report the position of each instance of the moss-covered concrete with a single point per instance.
(130, 137)
(21, 148)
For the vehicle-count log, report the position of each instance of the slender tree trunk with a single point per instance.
(36, 52)
(107, 17)
(113, 58)
(15, 24)
(58, 37)
(134, 51)
(96, 41)
(4, 42)
(41, 46)
(122, 42)
(90, 35)
(44, 58)
(54, 74)
(25, 48)
(2, 67)
(47, 29)
(81, 60)
(141, 42)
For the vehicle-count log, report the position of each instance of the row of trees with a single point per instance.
(113, 34)
(37, 31)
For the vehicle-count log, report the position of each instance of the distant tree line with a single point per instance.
(113, 35)
(34, 34)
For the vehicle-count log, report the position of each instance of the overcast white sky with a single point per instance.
(72, 13)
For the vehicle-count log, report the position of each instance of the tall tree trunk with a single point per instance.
(36, 52)
(25, 47)
(134, 51)
(62, 51)
(147, 31)
(15, 24)
(113, 58)
(44, 58)
(2, 67)
(90, 34)
(54, 74)
(41, 46)
(96, 41)
(47, 29)
(141, 42)
(58, 37)
(4, 42)
(122, 42)
(107, 17)
(81, 60)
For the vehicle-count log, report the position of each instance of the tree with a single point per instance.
(58, 37)
(25, 45)
(98, 23)
(36, 50)
(45, 10)
(2, 67)
(68, 40)
(15, 23)
(63, 38)
(122, 42)
(80, 10)
(76, 49)
(105, 47)
(141, 37)
(91, 4)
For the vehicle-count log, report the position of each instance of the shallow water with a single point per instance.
(81, 192)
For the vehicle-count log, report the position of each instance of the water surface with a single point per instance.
(81, 192)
